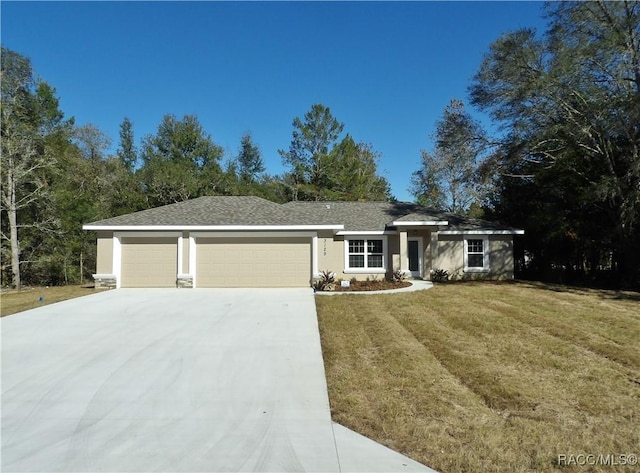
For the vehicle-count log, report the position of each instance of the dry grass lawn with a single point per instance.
(29, 298)
(488, 377)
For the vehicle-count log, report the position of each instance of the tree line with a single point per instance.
(57, 175)
(564, 163)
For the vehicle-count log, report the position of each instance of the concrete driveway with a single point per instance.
(175, 380)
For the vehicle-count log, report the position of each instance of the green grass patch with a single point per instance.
(486, 376)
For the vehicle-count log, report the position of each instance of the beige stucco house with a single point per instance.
(250, 242)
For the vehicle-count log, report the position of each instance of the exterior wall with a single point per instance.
(448, 254)
(104, 277)
(104, 257)
(501, 261)
(394, 253)
(331, 256)
(331, 253)
(451, 257)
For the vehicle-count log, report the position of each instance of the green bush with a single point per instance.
(439, 275)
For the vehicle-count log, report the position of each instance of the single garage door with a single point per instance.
(253, 262)
(149, 262)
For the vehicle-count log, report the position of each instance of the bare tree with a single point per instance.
(28, 110)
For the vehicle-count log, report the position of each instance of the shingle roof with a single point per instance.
(255, 211)
(209, 210)
(355, 216)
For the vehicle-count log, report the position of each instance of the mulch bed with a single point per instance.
(380, 285)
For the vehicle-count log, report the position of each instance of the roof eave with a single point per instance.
(201, 228)
(482, 232)
(419, 223)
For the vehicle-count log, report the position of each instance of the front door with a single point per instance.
(415, 257)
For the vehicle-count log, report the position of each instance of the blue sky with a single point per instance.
(386, 69)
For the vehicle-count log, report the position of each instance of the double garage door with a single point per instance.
(220, 262)
(249, 262)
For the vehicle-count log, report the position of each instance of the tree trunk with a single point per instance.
(12, 212)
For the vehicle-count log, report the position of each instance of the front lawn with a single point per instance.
(488, 377)
(32, 297)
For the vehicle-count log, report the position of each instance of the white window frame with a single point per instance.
(485, 254)
(366, 270)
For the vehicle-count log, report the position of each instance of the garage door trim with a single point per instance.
(195, 235)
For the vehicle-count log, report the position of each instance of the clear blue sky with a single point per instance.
(386, 69)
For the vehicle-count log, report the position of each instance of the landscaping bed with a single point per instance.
(377, 285)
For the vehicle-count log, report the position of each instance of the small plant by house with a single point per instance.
(398, 276)
(439, 275)
(326, 282)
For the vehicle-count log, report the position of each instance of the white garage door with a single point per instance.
(253, 262)
(149, 262)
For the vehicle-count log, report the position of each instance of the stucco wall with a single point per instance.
(331, 256)
(330, 253)
(394, 253)
(104, 255)
(451, 257)
(501, 256)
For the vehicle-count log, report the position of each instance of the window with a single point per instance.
(366, 255)
(475, 254)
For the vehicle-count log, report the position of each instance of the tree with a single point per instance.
(448, 178)
(30, 118)
(127, 152)
(83, 189)
(244, 174)
(352, 173)
(180, 162)
(91, 141)
(250, 163)
(426, 184)
(308, 154)
(568, 104)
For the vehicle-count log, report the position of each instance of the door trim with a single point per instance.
(420, 272)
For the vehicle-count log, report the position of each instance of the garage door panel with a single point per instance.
(149, 262)
(251, 262)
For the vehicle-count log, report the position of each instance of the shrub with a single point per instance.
(398, 276)
(439, 275)
(326, 282)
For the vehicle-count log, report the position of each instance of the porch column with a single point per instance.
(434, 249)
(404, 251)
(314, 256)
